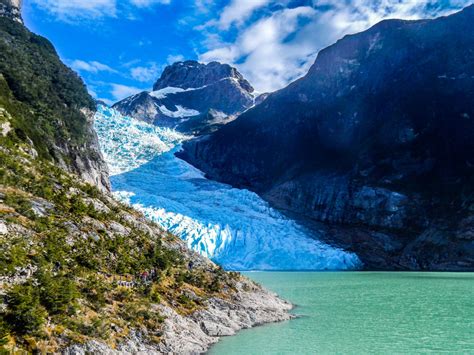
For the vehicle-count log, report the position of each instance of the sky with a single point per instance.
(120, 47)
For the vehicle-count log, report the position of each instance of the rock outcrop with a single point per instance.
(250, 306)
(375, 143)
(191, 74)
(192, 97)
(11, 9)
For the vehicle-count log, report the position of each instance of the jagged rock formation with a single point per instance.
(191, 74)
(375, 142)
(53, 110)
(192, 97)
(11, 9)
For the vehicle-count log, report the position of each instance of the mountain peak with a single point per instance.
(192, 74)
(11, 9)
(192, 97)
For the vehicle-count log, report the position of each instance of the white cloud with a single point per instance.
(145, 74)
(357, 15)
(92, 93)
(146, 3)
(226, 54)
(120, 91)
(74, 10)
(70, 9)
(270, 62)
(144, 42)
(203, 6)
(151, 72)
(91, 67)
(281, 45)
(238, 11)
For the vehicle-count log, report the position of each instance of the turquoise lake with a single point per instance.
(364, 313)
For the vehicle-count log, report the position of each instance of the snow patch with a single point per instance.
(161, 94)
(180, 112)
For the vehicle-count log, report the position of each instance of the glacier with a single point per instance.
(233, 227)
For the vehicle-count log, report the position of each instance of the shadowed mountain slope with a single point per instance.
(376, 142)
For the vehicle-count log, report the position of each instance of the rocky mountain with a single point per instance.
(79, 271)
(374, 145)
(54, 112)
(192, 97)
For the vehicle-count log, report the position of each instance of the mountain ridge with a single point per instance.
(192, 74)
(64, 131)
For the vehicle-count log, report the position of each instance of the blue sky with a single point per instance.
(120, 47)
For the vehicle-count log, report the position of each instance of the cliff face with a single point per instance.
(192, 97)
(55, 112)
(375, 142)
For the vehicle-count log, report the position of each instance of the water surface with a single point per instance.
(364, 313)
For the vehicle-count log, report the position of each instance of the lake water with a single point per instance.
(364, 313)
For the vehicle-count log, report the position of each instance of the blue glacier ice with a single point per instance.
(233, 227)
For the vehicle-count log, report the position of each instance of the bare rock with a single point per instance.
(3, 228)
(250, 306)
(98, 205)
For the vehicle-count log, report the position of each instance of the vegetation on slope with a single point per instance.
(52, 106)
(75, 265)
(53, 93)
(73, 259)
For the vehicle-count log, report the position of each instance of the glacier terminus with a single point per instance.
(235, 228)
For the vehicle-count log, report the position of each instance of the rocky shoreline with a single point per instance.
(250, 306)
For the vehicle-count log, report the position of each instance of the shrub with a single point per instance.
(14, 255)
(95, 291)
(4, 332)
(57, 293)
(154, 295)
(25, 314)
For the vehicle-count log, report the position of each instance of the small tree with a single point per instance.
(57, 293)
(25, 314)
